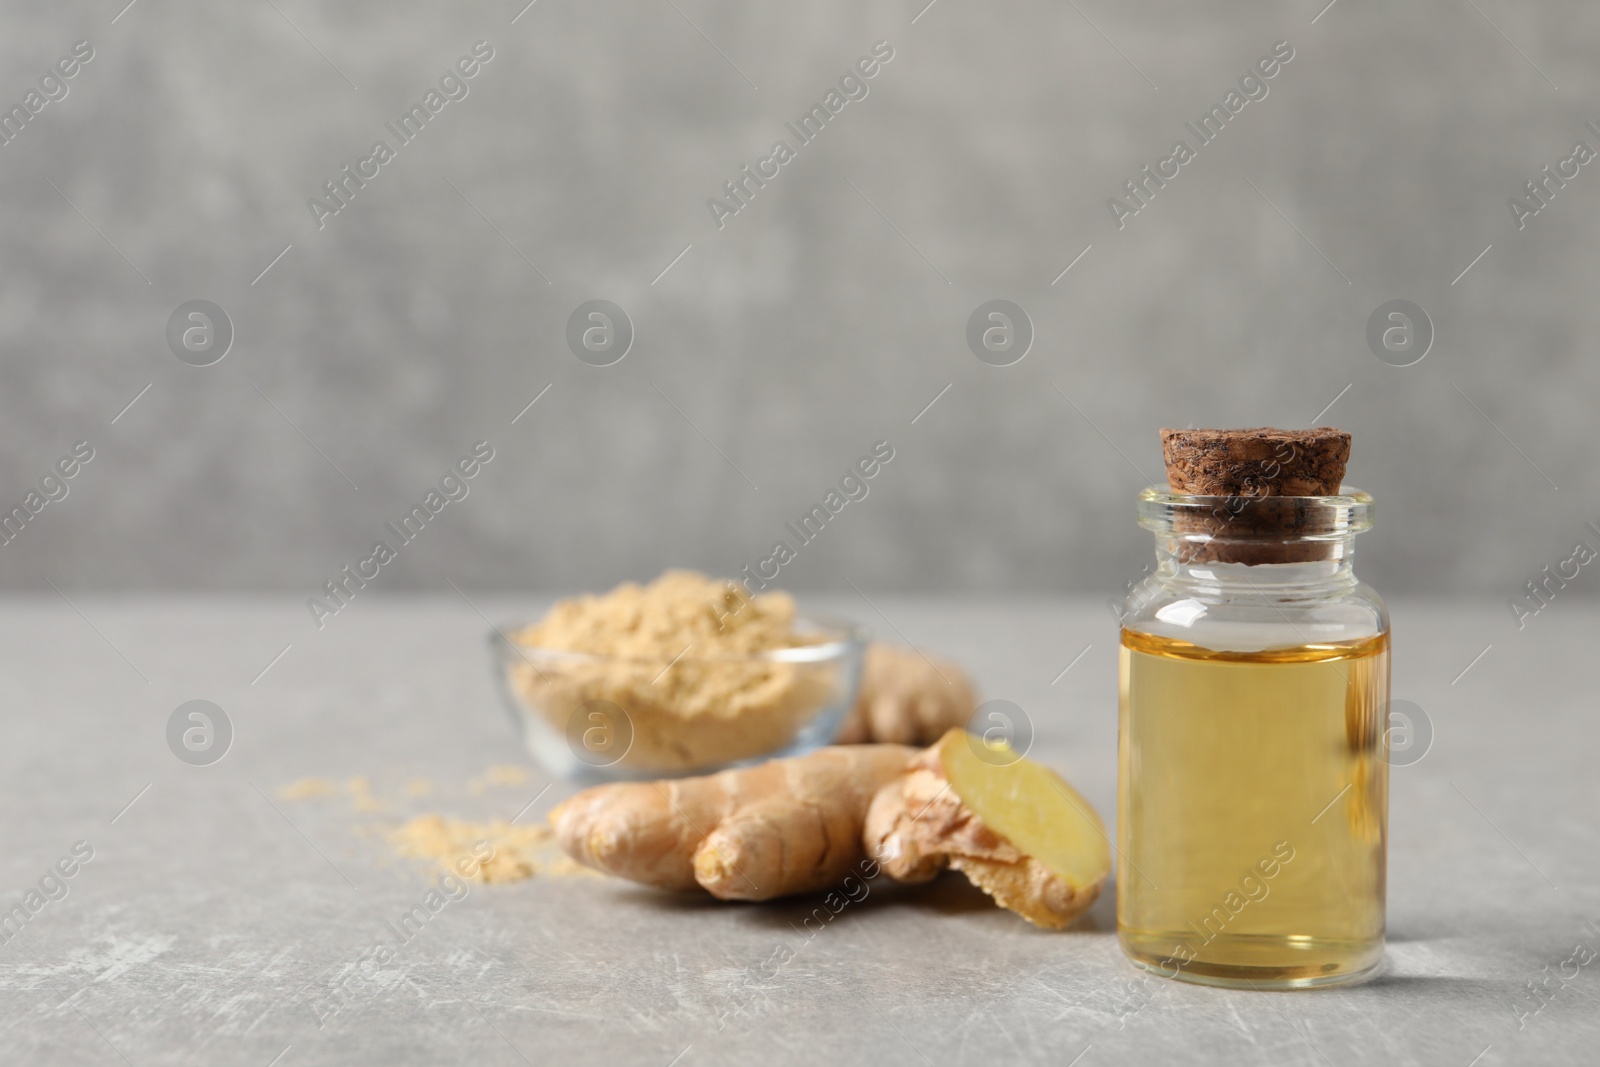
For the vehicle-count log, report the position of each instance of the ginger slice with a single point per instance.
(1015, 828)
(785, 826)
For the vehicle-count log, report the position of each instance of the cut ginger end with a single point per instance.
(1029, 805)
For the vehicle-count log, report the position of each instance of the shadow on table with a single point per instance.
(948, 895)
(664, 901)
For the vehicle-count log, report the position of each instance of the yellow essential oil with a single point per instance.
(1253, 810)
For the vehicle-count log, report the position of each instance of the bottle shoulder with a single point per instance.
(1236, 620)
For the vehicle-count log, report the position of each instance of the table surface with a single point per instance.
(214, 914)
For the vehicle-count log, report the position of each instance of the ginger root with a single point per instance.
(787, 826)
(906, 699)
(1013, 827)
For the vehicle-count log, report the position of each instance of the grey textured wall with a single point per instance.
(824, 316)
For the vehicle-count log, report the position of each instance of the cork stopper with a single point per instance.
(1259, 462)
(1265, 473)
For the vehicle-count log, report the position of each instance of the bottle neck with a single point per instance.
(1209, 580)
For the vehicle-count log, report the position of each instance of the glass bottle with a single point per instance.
(1253, 781)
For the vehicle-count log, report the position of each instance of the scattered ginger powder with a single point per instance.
(306, 788)
(677, 663)
(499, 775)
(479, 852)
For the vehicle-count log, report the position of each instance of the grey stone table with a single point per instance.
(214, 914)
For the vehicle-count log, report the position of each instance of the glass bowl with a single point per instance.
(608, 718)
